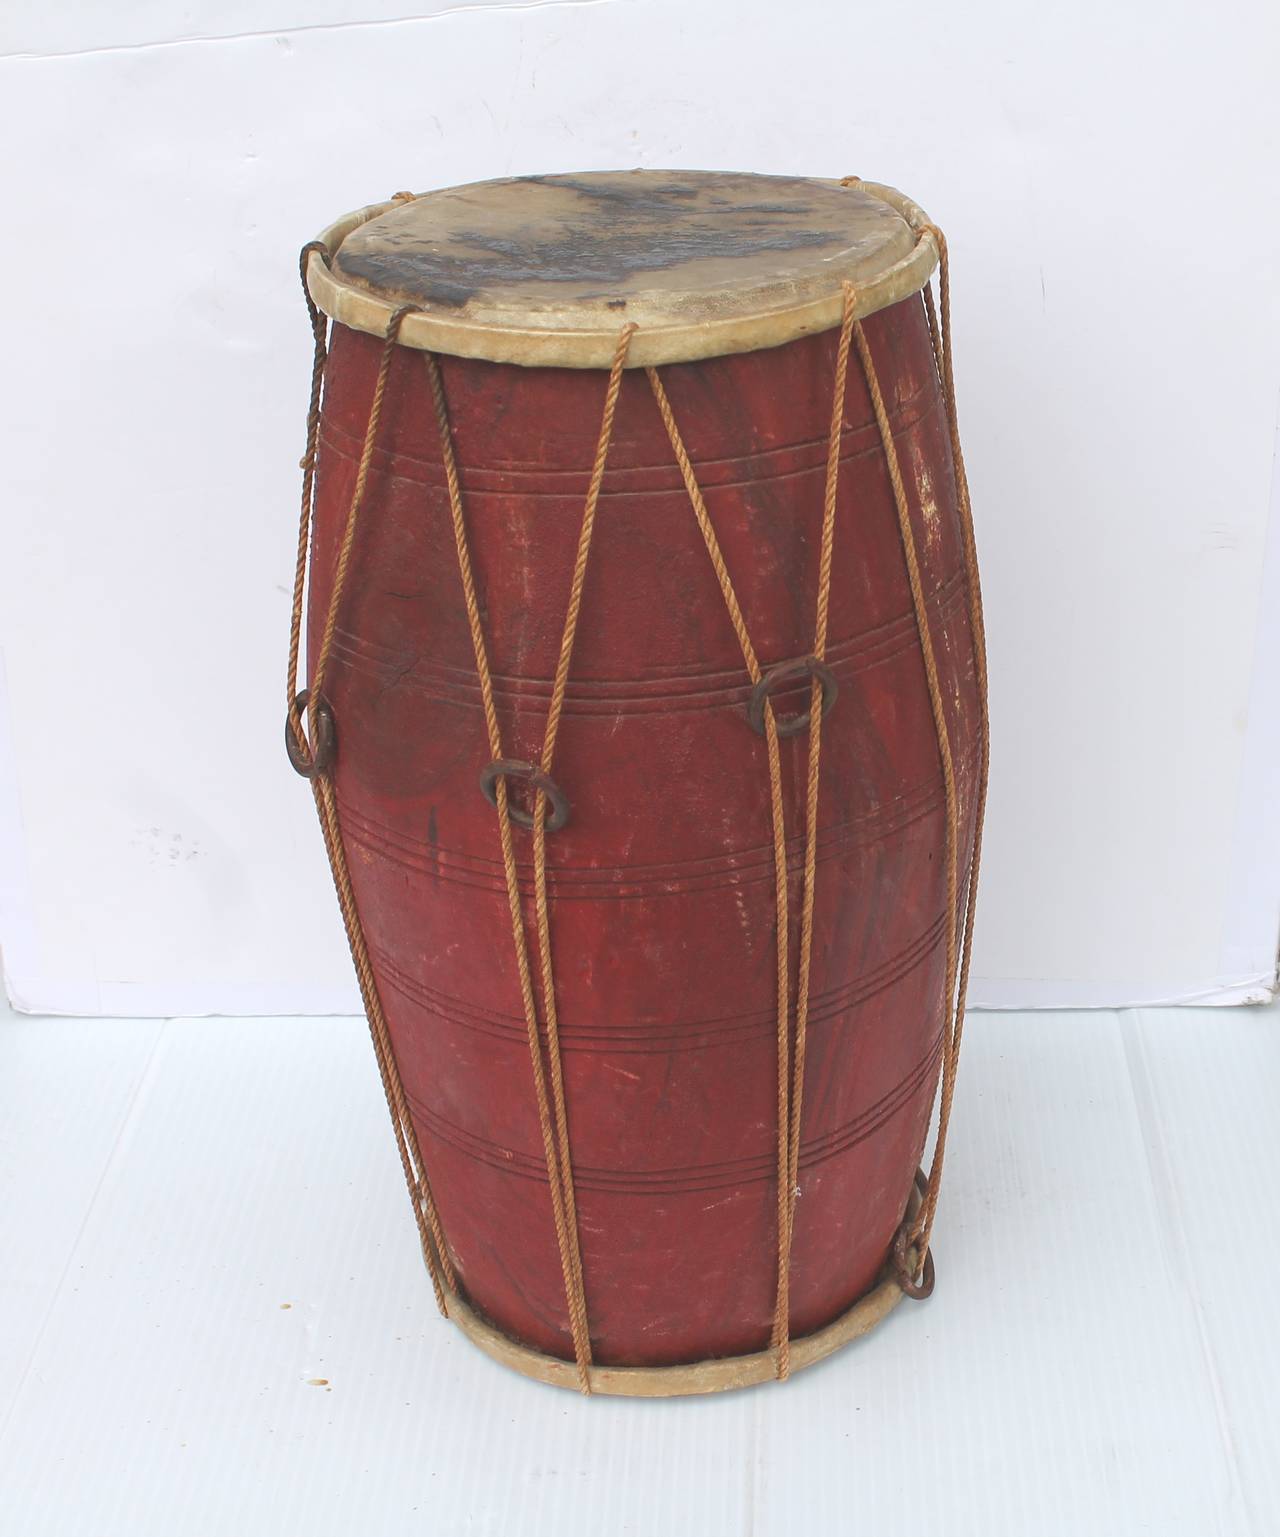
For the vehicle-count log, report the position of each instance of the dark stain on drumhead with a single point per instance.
(636, 197)
(433, 290)
(625, 227)
(653, 196)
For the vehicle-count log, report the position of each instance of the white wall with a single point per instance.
(1106, 175)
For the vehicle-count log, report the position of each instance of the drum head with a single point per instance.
(546, 270)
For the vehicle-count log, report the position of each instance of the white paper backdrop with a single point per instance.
(1106, 176)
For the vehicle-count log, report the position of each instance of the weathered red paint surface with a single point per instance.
(661, 885)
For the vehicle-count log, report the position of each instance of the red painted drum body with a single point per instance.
(661, 887)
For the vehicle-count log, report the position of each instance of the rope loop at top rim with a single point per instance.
(593, 347)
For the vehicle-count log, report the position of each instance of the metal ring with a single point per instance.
(314, 758)
(517, 768)
(789, 672)
(917, 1283)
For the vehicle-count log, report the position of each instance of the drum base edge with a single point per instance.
(717, 1375)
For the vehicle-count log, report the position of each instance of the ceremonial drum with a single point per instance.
(644, 713)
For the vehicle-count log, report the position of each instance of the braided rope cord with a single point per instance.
(942, 731)
(320, 353)
(815, 744)
(778, 818)
(911, 1248)
(554, 711)
(790, 1073)
(430, 1233)
(917, 1233)
(552, 1115)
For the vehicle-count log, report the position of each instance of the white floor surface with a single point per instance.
(214, 1318)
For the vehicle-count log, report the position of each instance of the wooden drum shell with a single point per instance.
(661, 885)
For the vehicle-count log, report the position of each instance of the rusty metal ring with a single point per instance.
(911, 1287)
(917, 1283)
(789, 672)
(315, 757)
(517, 768)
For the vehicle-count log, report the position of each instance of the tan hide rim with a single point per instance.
(594, 348)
